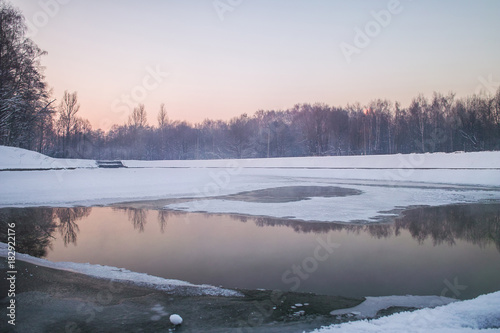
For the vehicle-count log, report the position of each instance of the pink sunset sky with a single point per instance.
(219, 59)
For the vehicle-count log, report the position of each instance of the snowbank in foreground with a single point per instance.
(124, 275)
(465, 316)
(17, 158)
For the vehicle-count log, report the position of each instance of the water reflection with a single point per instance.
(138, 217)
(36, 226)
(162, 219)
(478, 224)
(67, 222)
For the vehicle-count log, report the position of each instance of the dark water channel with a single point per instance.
(452, 251)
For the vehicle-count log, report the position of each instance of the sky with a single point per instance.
(218, 59)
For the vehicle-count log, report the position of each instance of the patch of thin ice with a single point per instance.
(372, 305)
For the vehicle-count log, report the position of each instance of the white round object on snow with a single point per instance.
(175, 319)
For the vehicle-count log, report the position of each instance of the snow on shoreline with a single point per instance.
(17, 158)
(124, 275)
(479, 314)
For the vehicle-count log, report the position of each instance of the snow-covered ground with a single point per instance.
(388, 182)
(481, 314)
(16, 158)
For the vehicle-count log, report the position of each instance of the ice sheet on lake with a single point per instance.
(374, 203)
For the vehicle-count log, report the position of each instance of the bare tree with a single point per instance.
(162, 126)
(162, 117)
(67, 116)
(139, 117)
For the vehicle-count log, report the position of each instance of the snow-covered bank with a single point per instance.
(16, 158)
(479, 314)
(124, 275)
(459, 160)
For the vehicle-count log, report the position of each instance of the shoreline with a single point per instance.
(56, 300)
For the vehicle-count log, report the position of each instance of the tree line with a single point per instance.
(31, 119)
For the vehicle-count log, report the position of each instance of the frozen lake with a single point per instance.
(452, 251)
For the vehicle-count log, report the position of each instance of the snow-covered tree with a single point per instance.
(25, 109)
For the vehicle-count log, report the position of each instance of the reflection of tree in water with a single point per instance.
(137, 216)
(377, 230)
(67, 222)
(35, 227)
(163, 216)
(478, 224)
